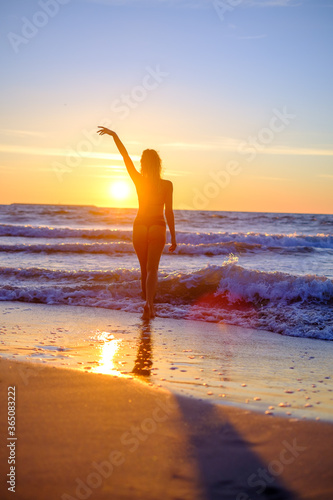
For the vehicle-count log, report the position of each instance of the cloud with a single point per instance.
(272, 3)
(11, 168)
(21, 133)
(195, 4)
(192, 4)
(297, 151)
(5, 148)
(326, 176)
(267, 178)
(250, 37)
(232, 144)
(223, 143)
(22, 150)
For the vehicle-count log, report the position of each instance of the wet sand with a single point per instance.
(255, 370)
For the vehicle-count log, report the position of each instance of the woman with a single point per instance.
(149, 228)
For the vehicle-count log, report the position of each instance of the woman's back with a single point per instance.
(152, 196)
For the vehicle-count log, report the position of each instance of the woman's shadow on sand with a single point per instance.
(228, 468)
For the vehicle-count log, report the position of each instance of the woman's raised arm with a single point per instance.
(134, 174)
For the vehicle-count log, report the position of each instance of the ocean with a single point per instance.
(266, 271)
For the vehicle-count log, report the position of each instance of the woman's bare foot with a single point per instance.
(152, 311)
(148, 312)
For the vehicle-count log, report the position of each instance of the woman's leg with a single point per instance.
(140, 243)
(156, 243)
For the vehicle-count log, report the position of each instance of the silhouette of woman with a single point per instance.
(149, 228)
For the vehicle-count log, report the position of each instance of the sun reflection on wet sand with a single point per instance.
(111, 353)
(109, 349)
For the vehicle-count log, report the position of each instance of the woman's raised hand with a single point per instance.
(104, 130)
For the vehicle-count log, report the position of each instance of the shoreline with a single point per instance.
(249, 369)
(85, 435)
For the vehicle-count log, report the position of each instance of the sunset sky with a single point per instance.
(237, 99)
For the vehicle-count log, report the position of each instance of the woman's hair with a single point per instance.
(151, 165)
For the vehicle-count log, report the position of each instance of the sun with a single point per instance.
(119, 190)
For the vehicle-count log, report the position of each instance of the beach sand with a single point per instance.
(110, 407)
(85, 435)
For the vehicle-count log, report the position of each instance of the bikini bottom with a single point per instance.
(149, 220)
